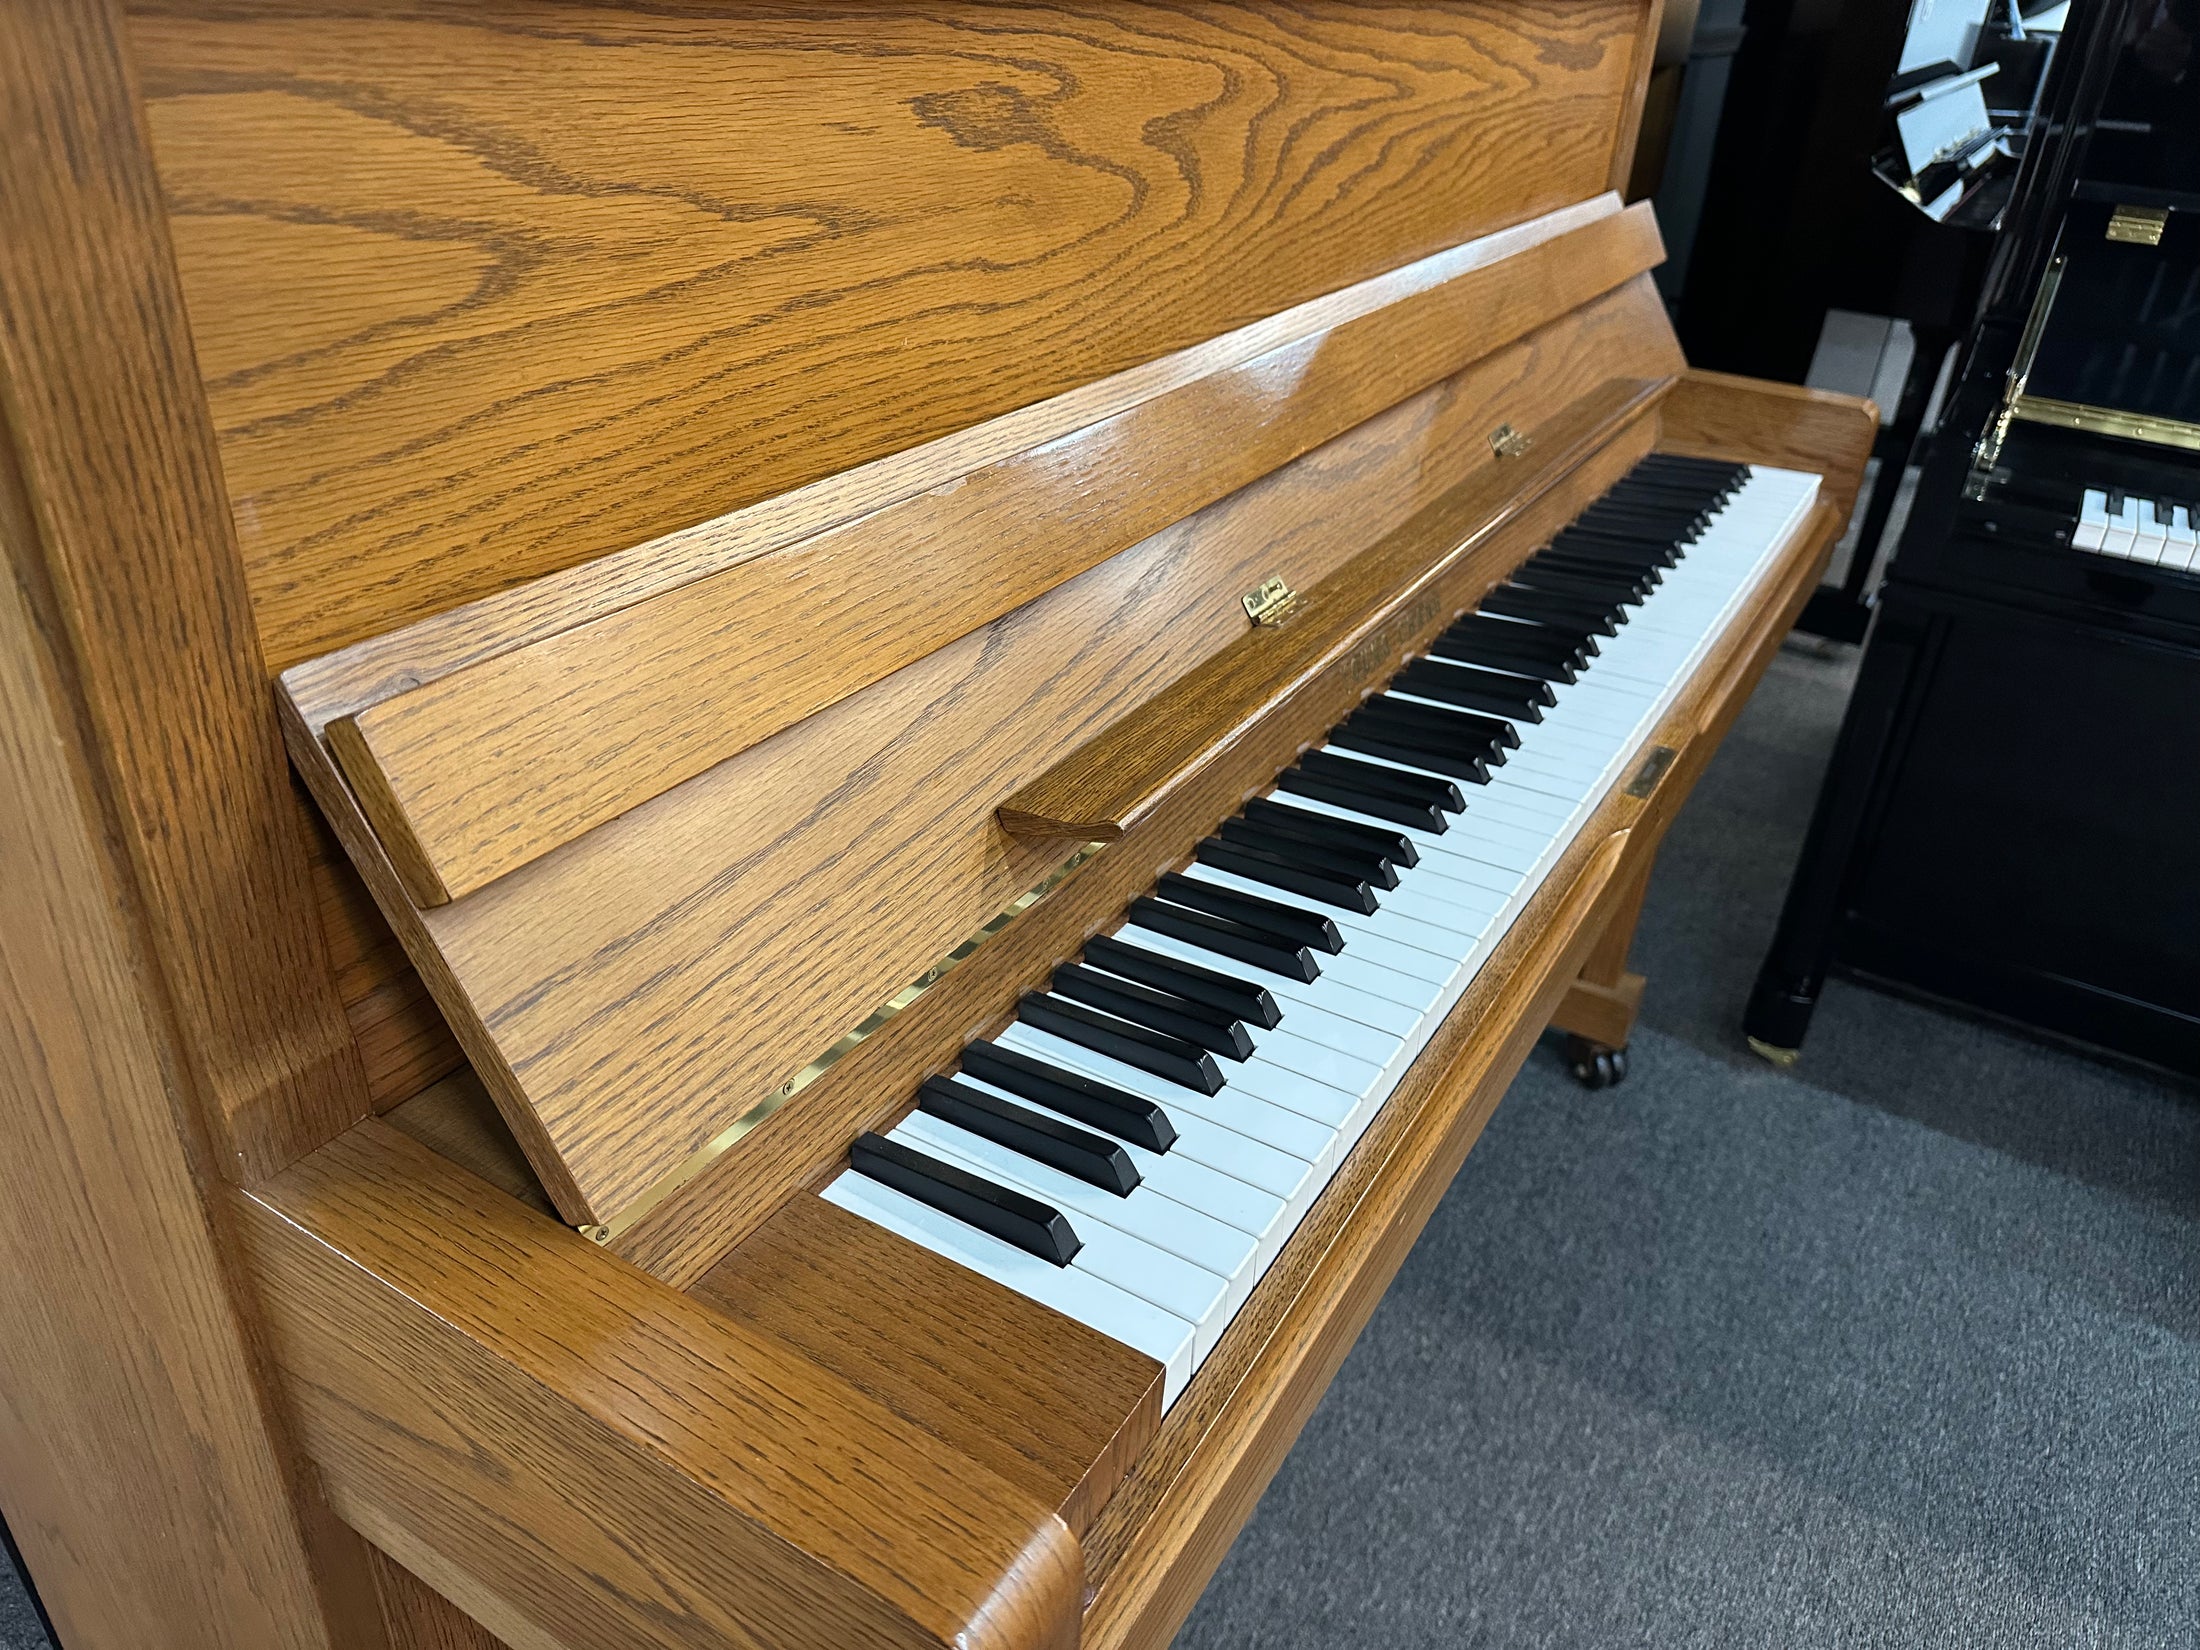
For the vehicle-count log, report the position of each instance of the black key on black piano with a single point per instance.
(1092, 1158)
(1240, 999)
(1170, 1058)
(1034, 1227)
(1100, 1105)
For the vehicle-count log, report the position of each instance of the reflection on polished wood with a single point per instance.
(551, 289)
(474, 774)
(699, 471)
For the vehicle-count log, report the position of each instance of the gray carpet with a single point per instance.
(1898, 1350)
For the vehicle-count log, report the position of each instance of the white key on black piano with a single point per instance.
(1258, 1136)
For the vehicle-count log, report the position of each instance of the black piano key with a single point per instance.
(1092, 1158)
(1171, 1059)
(1356, 733)
(1227, 939)
(1641, 577)
(1287, 922)
(1213, 1029)
(1341, 793)
(1099, 1105)
(1034, 1227)
(2165, 513)
(1516, 602)
(1459, 724)
(1394, 846)
(1579, 585)
(1243, 1000)
(1658, 552)
(1517, 639)
(1407, 787)
(1516, 698)
(1330, 858)
(1280, 871)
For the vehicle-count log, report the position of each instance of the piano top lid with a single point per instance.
(748, 879)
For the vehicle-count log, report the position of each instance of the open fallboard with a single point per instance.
(663, 829)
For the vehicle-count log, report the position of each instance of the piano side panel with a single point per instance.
(579, 1456)
(677, 964)
(480, 292)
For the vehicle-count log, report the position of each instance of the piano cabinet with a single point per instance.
(741, 524)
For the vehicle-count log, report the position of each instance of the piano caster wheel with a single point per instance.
(1595, 1065)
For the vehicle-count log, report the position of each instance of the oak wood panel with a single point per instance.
(417, 1617)
(559, 281)
(404, 1043)
(471, 775)
(1159, 1539)
(137, 564)
(872, 1087)
(139, 1471)
(1056, 1409)
(1721, 415)
(630, 994)
(1323, 651)
(1602, 1002)
(455, 1118)
(580, 1456)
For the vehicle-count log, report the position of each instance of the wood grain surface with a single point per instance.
(1050, 1406)
(472, 774)
(136, 564)
(579, 1456)
(404, 1044)
(1334, 645)
(417, 1617)
(139, 1469)
(873, 1086)
(628, 995)
(554, 282)
(1717, 415)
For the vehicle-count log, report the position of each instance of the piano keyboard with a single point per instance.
(1136, 1148)
(2153, 531)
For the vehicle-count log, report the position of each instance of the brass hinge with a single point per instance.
(2138, 225)
(1508, 442)
(1271, 603)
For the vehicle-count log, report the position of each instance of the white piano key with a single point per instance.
(1114, 1250)
(1257, 1119)
(2092, 530)
(2123, 529)
(1185, 1179)
(2152, 537)
(1135, 1322)
(2181, 543)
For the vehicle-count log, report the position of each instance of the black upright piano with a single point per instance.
(2011, 822)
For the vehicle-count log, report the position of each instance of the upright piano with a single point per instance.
(960, 682)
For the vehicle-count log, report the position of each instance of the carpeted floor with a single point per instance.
(1898, 1350)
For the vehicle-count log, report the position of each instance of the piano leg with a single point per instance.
(1869, 747)
(1598, 1011)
